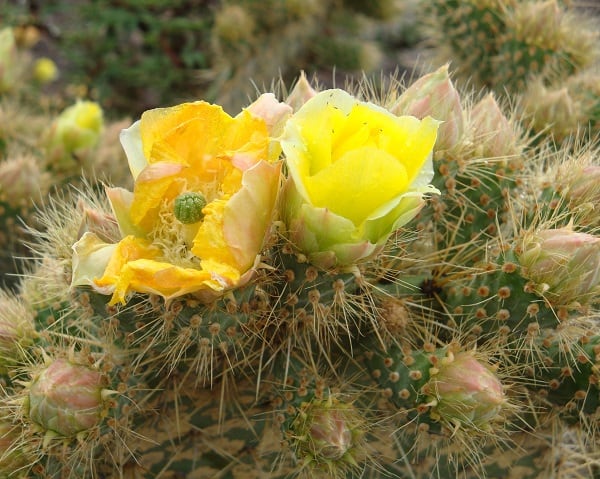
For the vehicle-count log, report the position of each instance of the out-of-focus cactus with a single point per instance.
(545, 53)
(502, 43)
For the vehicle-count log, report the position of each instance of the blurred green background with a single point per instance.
(131, 55)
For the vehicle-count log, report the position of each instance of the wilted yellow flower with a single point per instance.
(205, 189)
(357, 173)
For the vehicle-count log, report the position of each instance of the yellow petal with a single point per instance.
(210, 243)
(128, 249)
(166, 280)
(351, 190)
(151, 189)
(181, 132)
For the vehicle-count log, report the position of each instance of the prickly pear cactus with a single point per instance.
(328, 284)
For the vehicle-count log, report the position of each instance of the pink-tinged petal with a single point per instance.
(249, 212)
(272, 111)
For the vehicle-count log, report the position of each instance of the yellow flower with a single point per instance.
(71, 138)
(45, 70)
(190, 156)
(357, 173)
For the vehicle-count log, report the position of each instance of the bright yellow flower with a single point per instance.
(193, 155)
(357, 173)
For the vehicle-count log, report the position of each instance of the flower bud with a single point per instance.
(301, 93)
(76, 130)
(463, 392)
(563, 265)
(492, 132)
(434, 95)
(67, 398)
(45, 70)
(328, 435)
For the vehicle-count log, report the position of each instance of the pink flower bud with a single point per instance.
(434, 95)
(67, 398)
(563, 264)
(301, 93)
(328, 435)
(464, 392)
(492, 132)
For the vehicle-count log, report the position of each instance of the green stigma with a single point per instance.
(188, 207)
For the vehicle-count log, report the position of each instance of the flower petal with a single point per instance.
(167, 280)
(131, 141)
(91, 255)
(249, 213)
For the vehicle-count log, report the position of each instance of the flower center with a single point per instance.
(188, 206)
(174, 238)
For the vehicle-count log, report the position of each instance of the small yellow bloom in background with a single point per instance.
(45, 70)
(357, 173)
(205, 189)
(74, 133)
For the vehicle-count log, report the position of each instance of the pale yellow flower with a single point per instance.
(357, 173)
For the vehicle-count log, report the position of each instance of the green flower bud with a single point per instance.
(463, 392)
(328, 435)
(188, 207)
(67, 398)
